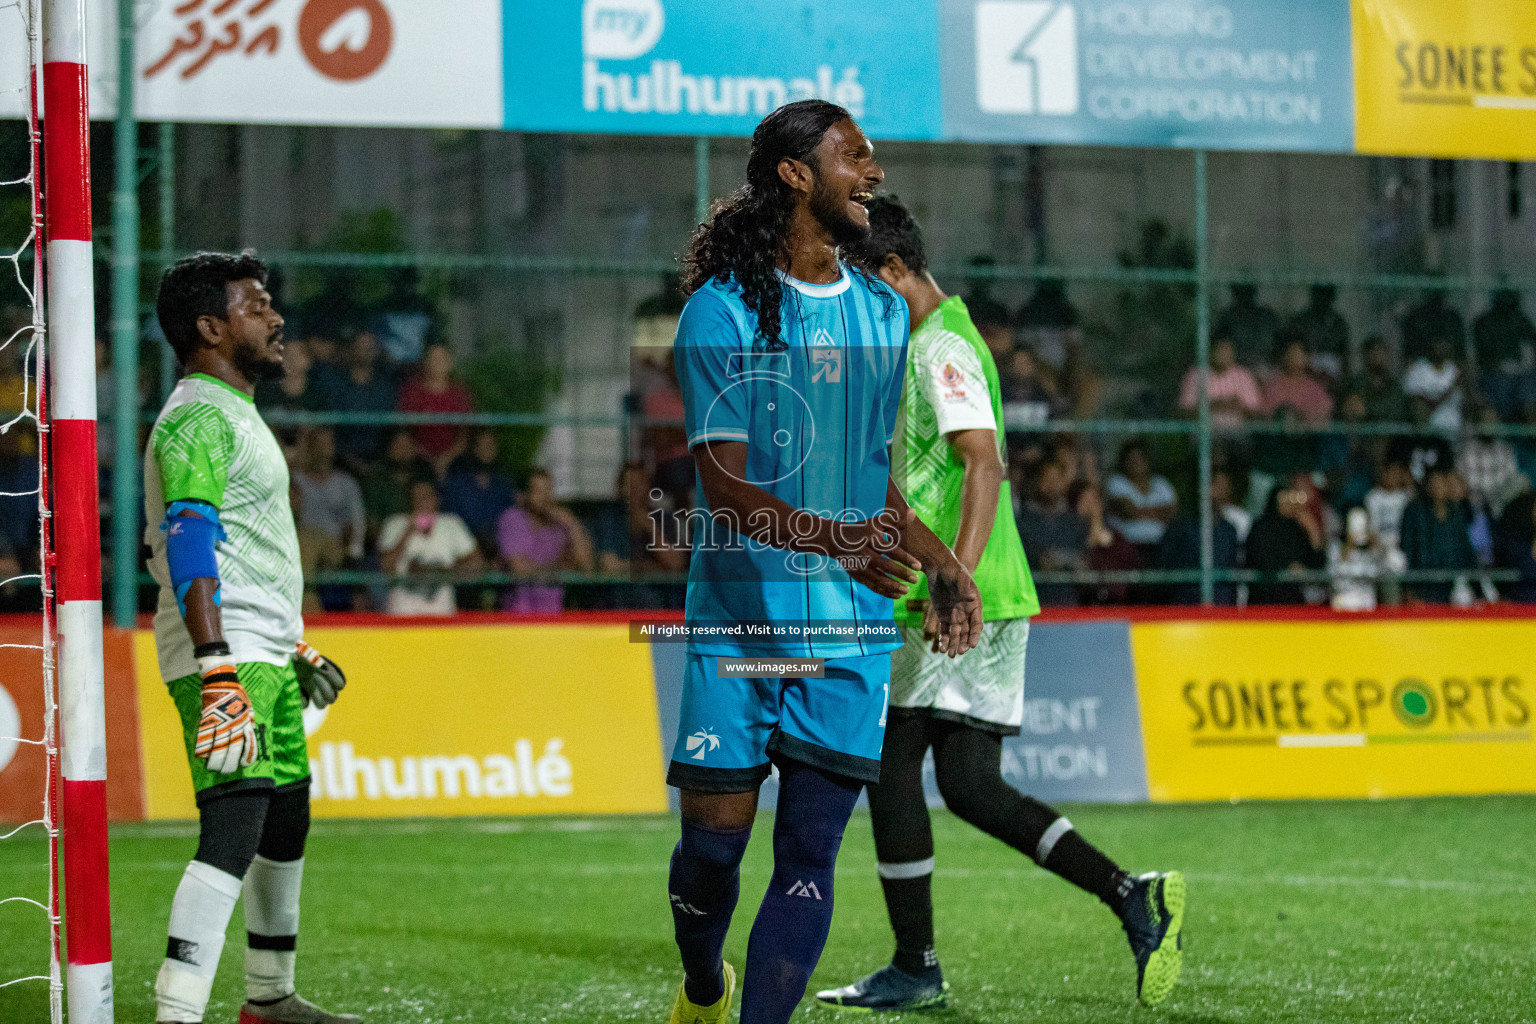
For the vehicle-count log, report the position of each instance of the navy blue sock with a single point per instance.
(792, 925)
(703, 884)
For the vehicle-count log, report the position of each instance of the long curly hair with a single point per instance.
(744, 239)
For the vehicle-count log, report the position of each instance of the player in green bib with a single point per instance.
(948, 458)
(229, 636)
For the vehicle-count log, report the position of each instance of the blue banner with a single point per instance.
(1238, 74)
(694, 67)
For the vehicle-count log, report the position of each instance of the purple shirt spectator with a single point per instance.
(519, 536)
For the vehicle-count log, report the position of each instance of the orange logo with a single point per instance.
(345, 39)
(952, 375)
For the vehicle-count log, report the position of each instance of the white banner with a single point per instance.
(408, 63)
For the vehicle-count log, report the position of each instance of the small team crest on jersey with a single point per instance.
(953, 379)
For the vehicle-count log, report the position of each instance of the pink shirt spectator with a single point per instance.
(1235, 382)
(517, 534)
(1304, 394)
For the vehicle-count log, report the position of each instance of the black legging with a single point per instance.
(236, 827)
(968, 766)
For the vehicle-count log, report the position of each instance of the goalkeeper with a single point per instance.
(229, 636)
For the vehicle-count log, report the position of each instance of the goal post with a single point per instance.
(75, 554)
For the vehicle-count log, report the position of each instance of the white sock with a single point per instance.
(200, 914)
(272, 927)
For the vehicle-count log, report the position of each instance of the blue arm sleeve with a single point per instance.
(189, 547)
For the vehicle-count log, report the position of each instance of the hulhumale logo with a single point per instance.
(626, 30)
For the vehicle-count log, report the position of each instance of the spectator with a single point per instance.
(1436, 534)
(993, 324)
(1489, 466)
(477, 491)
(1252, 328)
(318, 551)
(297, 390)
(1420, 452)
(1357, 561)
(1107, 550)
(1293, 384)
(1287, 537)
(1515, 546)
(1234, 391)
(1322, 331)
(1048, 324)
(1141, 503)
(1505, 341)
(541, 536)
(1377, 385)
(1224, 494)
(1054, 533)
(436, 390)
(360, 385)
(1436, 378)
(386, 486)
(1028, 398)
(1279, 455)
(1348, 461)
(424, 541)
(1429, 318)
(18, 494)
(333, 501)
(664, 439)
(1385, 502)
(1181, 547)
(634, 538)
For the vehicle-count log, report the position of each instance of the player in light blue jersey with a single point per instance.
(791, 366)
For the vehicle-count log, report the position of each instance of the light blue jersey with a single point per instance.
(818, 417)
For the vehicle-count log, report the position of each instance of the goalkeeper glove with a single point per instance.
(226, 732)
(320, 678)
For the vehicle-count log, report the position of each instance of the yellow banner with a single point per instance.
(443, 720)
(1447, 78)
(1374, 709)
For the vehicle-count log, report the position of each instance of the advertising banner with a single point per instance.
(336, 62)
(1410, 77)
(1081, 735)
(1413, 707)
(23, 771)
(1241, 74)
(1446, 79)
(457, 720)
(665, 67)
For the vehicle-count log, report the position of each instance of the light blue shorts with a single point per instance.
(731, 729)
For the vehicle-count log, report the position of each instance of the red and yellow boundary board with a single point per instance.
(491, 714)
(1330, 706)
(23, 771)
(464, 718)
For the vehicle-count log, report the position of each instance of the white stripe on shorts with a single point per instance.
(1059, 828)
(906, 869)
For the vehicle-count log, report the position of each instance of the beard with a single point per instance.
(255, 364)
(831, 212)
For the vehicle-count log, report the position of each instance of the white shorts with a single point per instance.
(984, 687)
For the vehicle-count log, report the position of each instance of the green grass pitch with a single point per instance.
(1396, 911)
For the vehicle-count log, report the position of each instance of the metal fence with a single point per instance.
(133, 163)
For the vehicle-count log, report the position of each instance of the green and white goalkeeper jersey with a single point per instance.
(952, 385)
(209, 444)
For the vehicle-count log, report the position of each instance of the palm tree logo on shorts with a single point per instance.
(703, 741)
